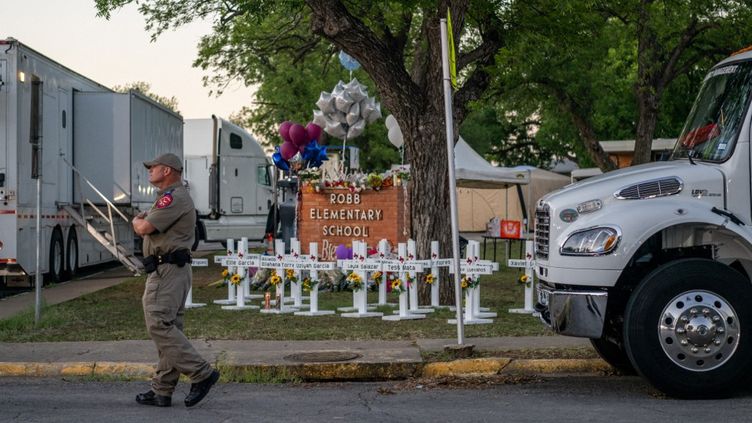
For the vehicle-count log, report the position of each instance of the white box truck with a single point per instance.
(653, 262)
(86, 143)
(229, 179)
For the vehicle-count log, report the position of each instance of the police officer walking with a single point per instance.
(168, 231)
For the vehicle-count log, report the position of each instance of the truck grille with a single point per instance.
(650, 189)
(542, 228)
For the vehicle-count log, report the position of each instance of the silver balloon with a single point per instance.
(367, 106)
(319, 118)
(375, 114)
(395, 136)
(296, 159)
(335, 129)
(354, 114)
(356, 129)
(356, 90)
(325, 102)
(389, 121)
(338, 117)
(338, 89)
(343, 102)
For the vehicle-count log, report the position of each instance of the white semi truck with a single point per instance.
(229, 178)
(87, 144)
(653, 262)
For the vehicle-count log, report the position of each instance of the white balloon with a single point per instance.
(325, 102)
(395, 136)
(375, 114)
(319, 118)
(356, 129)
(335, 129)
(338, 116)
(343, 102)
(354, 114)
(389, 121)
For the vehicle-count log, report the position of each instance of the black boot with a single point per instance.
(150, 398)
(200, 389)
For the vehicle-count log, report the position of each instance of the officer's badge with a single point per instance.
(164, 201)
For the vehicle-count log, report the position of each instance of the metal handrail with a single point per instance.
(102, 196)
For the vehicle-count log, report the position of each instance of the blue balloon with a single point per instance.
(280, 162)
(347, 61)
(314, 154)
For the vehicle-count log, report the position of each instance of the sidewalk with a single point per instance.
(288, 360)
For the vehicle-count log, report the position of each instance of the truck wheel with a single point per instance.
(71, 252)
(614, 355)
(57, 259)
(687, 329)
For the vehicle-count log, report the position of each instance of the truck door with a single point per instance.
(64, 173)
(4, 87)
(264, 193)
(236, 176)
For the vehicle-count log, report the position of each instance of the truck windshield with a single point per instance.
(717, 115)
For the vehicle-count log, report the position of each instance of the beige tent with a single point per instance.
(479, 205)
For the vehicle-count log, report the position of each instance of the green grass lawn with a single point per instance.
(115, 314)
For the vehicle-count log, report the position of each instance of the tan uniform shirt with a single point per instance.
(174, 217)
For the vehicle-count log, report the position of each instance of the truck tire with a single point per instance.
(71, 252)
(56, 269)
(688, 326)
(613, 354)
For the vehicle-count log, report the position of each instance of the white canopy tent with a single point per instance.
(486, 191)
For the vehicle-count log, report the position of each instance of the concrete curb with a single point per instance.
(321, 371)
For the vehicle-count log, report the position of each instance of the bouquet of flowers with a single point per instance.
(290, 276)
(398, 286)
(309, 284)
(225, 275)
(354, 281)
(468, 282)
(274, 278)
(376, 277)
(429, 278)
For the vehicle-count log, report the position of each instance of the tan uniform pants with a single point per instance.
(164, 301)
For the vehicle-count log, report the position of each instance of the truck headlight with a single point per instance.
(592, 242)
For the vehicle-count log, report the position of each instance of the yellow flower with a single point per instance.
(396, 284)
(464, 283)
(377, 276)
(225, 273)
(235, 279)
(275, 279)
(523, 279)
(354, 277)
(430, 279)
(289, 273)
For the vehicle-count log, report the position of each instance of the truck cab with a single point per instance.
(653, 262)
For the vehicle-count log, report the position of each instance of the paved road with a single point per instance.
(557, 399)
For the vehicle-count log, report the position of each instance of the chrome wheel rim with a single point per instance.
(699, 330)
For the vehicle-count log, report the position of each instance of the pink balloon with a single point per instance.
(314, 131)
(298, 134)
(288, 150)
(284, 130)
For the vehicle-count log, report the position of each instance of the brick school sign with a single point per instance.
(336, 216)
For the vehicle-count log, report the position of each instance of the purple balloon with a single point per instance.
(288, 150)
(349, 253)
(314, 131)
(341, 252)
(284, 130)
(298, 135)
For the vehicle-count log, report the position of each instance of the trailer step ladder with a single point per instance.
(105, 238)
(108, 239)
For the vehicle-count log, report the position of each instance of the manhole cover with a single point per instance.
(322, 356)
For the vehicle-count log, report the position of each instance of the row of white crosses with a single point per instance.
(239, 262)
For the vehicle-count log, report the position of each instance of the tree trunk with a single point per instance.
(648, 87)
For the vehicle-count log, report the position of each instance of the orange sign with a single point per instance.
(511, 229)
